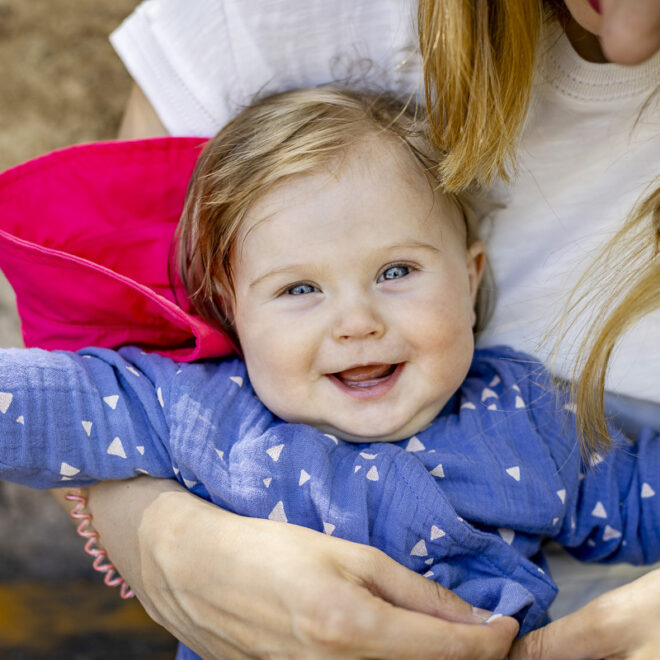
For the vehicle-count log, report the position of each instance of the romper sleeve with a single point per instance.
(616, 514)
(611, 510)
(69, 419)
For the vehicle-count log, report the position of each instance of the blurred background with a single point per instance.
(60, 84)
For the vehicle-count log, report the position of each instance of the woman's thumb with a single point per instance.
(405, 588)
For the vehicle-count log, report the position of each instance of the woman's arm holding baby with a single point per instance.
(235, 587)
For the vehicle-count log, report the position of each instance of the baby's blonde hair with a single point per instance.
(278, 137)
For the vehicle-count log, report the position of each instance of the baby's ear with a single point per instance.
(476, 263)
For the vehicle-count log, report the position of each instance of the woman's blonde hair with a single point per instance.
(278, 137)
(479, 60)
(623, 282)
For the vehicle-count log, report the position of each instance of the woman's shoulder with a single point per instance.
(199, 63)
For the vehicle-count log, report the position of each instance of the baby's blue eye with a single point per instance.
(301, 289)
(394, 273)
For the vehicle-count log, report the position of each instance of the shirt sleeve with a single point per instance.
(74, 418)
(199, 63)
(611, 510)
(616, 514)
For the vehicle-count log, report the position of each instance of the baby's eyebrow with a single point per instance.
(382, 249)
(411, 244)
(289, 268)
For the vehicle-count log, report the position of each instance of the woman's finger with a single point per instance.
(399, 631)
(621, 624)
(573, 637)
(397, 585)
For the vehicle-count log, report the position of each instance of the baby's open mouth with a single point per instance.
(365, 376)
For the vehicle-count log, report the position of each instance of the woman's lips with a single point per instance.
(595, 4)
(367, 382)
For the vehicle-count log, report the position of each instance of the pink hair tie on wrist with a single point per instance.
(84, 529)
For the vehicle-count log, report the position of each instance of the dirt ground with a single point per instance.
(61, 83)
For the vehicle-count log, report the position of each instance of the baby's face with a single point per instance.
(354, 297)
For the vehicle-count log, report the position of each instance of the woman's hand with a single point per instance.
(235, 587)
(621, 624)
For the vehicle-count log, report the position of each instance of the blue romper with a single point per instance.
(467, 502)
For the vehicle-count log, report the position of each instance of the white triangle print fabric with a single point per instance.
(487, 393)
(278, 513)
(514, 472)
(111, 400)
(438, 471)
(68, 470)
(5, 401)
(415, 444)
(507, 534)
(647, 491)
(436, 533)
(116, 448)
(274, 452)
(419, 549)
(610, 533)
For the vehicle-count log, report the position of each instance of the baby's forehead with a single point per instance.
(382, 153)
(375, 180)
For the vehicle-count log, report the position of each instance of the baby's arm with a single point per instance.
(617, 508)
(70, 419)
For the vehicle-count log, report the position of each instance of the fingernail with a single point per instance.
(480, 615)
(492, 618)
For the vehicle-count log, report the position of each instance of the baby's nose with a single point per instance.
(358, 321)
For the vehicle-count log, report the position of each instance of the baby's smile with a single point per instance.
(368, 381)
(354, 296)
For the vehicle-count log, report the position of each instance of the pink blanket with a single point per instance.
(85, 239)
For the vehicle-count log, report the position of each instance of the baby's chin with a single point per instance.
(365, 430)
(384, 435)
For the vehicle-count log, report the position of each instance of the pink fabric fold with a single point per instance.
(85, 239)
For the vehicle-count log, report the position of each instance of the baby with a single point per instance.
(316, 235)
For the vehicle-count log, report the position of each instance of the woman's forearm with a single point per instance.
(235, 587)
(118, 509)
(140, 119)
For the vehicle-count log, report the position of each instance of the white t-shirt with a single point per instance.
(585, 157)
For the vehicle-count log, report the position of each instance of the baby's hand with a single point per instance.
(622, 624)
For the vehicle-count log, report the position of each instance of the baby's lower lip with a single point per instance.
(366, 390)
